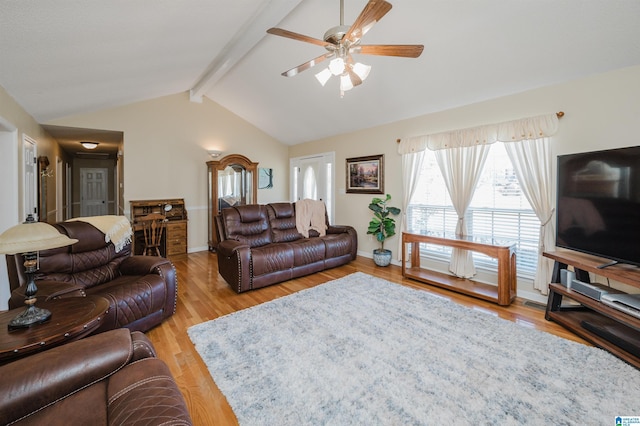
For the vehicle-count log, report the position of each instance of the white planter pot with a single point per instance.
(382, 257)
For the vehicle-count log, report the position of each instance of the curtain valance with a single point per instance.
(510, 131)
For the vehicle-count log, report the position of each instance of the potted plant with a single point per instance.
(382, 226)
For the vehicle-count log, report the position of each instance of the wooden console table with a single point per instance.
(502, 294)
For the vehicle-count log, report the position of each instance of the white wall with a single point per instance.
(9, 215)
(165, 151)
(601, 112)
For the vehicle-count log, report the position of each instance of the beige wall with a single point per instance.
(600, 112)
(165, 151)
(165, 141)
(13, 113)
(16, 122)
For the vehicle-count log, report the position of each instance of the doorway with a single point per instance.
(313, 177)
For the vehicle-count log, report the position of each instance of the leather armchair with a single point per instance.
(113, 378)
(142, 290)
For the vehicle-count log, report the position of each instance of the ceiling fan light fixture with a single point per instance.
(336, 66)
(324, 76)
(361, 70)
(345, 82)
(89, 145)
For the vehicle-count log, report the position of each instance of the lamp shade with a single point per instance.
(32, 236)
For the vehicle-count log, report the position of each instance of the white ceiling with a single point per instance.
(67, 57)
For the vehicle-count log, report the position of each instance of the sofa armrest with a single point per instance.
(228, 247)
(142, 265)
(145, 393)
(234, 264)
(142, 346)
(339, 229)
(31, 383)
(145, 265)
(47, 290)
(353, 234)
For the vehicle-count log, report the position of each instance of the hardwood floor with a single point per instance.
(203, 295)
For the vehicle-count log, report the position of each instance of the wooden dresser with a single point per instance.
(175, 239)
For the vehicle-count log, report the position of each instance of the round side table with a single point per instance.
(71, 319)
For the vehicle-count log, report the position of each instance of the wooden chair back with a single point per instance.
(152, 225)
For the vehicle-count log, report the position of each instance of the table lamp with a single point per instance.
(27, 239)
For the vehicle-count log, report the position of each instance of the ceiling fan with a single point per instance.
(341, 41)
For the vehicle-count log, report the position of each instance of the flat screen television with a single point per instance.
(598, 203)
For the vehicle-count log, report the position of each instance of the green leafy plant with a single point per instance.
(382, 226)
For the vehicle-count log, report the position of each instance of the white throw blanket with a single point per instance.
(310, 214)
(116, 229)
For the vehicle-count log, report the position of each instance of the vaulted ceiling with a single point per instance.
(63, 58)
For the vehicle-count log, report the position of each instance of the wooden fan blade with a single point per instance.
(372, 13)
(295, 36)
(402, 50)
(307, 65)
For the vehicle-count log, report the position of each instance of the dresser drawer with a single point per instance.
(174, 249)
(176, 239)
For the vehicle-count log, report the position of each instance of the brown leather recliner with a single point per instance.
(262, 246)
(141, 290)
(112, 378)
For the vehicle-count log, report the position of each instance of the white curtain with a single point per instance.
(461, 168)
(528, 132)
(531, 160)
(411, 166)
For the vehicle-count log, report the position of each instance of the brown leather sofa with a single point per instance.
(262, 246)
(141, 290)
(113, 378)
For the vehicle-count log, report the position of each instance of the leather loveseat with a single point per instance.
(141, 290)
(113, 378)
(262, 246)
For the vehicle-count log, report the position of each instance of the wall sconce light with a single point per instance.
(89, 145)
(214, 153)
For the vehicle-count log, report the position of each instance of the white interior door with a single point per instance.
(94, 191)
(312, 177)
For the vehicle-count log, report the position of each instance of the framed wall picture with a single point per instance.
(265, 178)
(365, 175)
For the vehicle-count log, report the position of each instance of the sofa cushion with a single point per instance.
(247, 224)
(89, 237)
(282, 218)
(271, 258)
(307, 251)
(85, 269)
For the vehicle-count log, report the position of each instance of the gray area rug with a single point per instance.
(363, 351)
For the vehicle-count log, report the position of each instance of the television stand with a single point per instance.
(606, 265)
(604, 326)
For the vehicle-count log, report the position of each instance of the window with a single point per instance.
(499, 210)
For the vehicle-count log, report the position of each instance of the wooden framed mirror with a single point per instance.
(232, 181)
